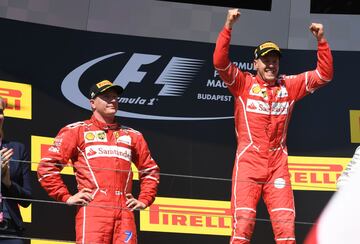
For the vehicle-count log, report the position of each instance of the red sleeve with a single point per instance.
(309, 81)
(325, 67)
(233, 77)
(51, 164)
(148, 171)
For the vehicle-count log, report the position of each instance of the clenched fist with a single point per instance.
(232, 16)
(317, 30)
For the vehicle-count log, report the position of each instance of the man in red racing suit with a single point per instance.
(102, 152)
(263, 106)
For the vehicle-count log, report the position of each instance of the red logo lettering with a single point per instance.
(189, 216)
(11, 95)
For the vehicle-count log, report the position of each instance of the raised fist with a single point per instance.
(232, 16)
(317, 30)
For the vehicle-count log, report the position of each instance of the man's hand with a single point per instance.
(6, 155)
(133, 203)
(232, 16)
(317, 30)
(83, 197)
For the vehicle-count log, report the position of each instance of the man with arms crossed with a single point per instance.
(263, 105)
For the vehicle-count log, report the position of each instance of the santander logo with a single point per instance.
(91, 152)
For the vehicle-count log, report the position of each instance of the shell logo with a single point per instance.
(256, 89)
(90, 136)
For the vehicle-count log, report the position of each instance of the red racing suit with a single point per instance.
(262, 114)
(101, 155)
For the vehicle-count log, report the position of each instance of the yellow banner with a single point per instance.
(355, 126)
(208, 217)
(17, 97)
(39, 145)
(316, 173)
(179, 215)
(26, 213)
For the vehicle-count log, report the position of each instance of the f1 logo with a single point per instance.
(355, 126)
(175, 77)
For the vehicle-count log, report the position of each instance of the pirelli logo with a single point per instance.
(17, 97)
(178, 215)
(316, 173)
(355, 126)
(40, 145)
